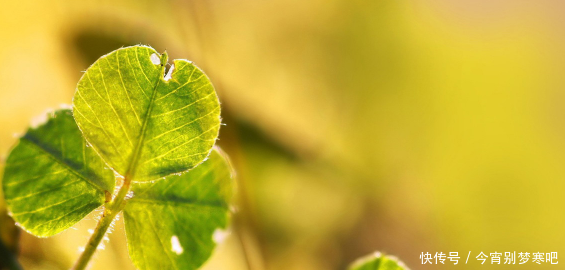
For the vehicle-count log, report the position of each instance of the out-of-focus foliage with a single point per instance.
(9, 235)
(355, 126)
(377, 261)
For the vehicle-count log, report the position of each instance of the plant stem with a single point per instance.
(112, 209)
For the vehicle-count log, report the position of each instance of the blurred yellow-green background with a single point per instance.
(354, 126)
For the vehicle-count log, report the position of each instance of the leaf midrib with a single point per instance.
(63, 163)
(137, 151)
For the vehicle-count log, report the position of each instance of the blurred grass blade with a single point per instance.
(8, 258)
(172, 224)
(52, 179)
(146, 125)
(378, 261)
(9, 237)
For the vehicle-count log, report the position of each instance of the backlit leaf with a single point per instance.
(144, 124)
(52, 179)
(378, 261)
(172, 224)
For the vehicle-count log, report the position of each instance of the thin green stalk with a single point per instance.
(111, 210)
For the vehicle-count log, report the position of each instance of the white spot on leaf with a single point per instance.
(155, 59)
(176, 247)
(220, 235)
(170, 73)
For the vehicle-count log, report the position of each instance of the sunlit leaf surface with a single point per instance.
(52, 179)
(145, 124)
(377, 261)
(175, 223)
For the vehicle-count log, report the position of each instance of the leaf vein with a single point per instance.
(47, 207)
(124, 86)
(112, 106)
(64, 164)
(183, 125)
